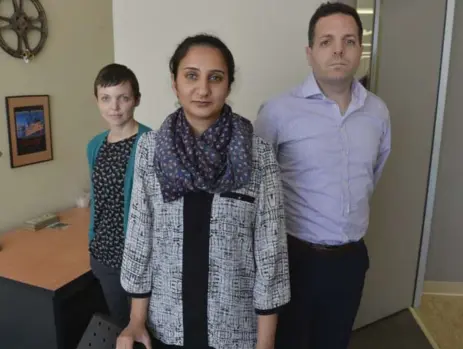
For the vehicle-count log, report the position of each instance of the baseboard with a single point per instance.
(443, 288)
(424, 329)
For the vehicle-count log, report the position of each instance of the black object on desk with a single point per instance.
(101, 333)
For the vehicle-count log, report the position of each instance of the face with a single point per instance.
(117, 103)
(336, 50)
(202, 83)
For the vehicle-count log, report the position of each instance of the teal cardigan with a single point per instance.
(92, 152)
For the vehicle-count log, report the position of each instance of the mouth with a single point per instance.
(202, 103)
(338, 64)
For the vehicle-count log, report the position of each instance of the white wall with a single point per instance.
(266, 37)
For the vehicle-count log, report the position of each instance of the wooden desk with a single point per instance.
(47, 291)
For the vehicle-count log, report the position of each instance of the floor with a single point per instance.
(442, 317)
(399, 331)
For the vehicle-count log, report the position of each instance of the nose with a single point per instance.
(339, 48)
(114, 104)
(204, 87)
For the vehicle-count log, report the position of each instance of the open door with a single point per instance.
(406, 77)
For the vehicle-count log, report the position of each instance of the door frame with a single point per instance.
(374, 47)
(435, 153)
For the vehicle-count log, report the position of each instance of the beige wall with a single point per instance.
(80, 41)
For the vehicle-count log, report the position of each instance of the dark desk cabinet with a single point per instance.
(32, 317)
(48, 294)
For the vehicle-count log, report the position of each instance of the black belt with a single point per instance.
(333, 248)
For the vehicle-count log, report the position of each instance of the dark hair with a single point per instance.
(114, 74)
(203, 40)
(328, 9)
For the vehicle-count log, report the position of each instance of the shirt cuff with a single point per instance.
(270, 311)
(139, 295)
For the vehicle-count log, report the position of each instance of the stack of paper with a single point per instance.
(41, 222)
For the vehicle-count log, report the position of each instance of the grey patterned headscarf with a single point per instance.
(219, 160)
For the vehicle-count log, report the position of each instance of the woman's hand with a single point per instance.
(134, 332)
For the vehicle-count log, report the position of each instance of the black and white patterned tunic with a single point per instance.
(210, 262)
(108, 178)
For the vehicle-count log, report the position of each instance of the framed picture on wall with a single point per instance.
(29, 129)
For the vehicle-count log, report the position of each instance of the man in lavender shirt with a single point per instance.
(332, 139)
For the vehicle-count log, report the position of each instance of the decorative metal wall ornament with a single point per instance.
(22, 24)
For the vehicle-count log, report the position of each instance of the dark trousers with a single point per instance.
(326, 288)
(115, 296)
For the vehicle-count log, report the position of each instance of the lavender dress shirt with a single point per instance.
(330, 162)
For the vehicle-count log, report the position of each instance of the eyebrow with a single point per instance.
(210, 71)
(117, 96)
(345, 36)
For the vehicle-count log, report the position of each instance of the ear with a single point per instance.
(96, 93)
(308, 52)
(137, 102)
(173, 84)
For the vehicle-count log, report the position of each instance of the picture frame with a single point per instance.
(29, 129)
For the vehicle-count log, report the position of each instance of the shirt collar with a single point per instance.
(310, 89)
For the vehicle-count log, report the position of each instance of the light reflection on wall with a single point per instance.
(365, 9)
